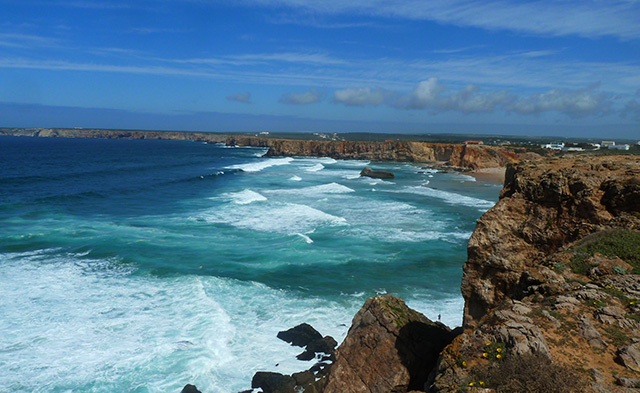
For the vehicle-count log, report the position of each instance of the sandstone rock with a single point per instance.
(389, 348)
(604, 266)
(273, 382)
(589, 332)
(523, 338)
(629, 356)
(542, 208)
(190, 389)
(368, 172)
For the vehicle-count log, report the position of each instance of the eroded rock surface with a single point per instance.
(389, 348)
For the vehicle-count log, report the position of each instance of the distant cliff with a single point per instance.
(455, 156)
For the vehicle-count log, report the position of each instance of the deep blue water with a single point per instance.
(130, 265)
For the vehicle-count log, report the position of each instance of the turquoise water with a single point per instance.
(140, 266)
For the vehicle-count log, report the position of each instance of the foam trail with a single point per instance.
(245, 197)
(262, 164)
(315, 168)
(450, 198)
(305, 237)
(295, 178)
(330, 188)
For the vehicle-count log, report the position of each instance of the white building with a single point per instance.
(620, 147)
(608, 144)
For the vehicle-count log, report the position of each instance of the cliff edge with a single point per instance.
(551, 283)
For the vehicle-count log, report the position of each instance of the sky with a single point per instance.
(569, 68)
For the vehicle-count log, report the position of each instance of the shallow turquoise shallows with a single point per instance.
(140, 266)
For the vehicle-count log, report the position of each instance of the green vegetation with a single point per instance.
(621, 243)
(528, 373)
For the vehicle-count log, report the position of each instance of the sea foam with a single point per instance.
(245, 197)
(262, 164)
(74, 323)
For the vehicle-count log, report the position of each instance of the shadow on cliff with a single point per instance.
(419, 346)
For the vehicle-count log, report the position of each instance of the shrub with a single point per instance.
(529, 374)
(621, 243)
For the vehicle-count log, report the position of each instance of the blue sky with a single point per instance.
(568, 68)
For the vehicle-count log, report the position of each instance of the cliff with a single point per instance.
(550, 285)
(454, 155)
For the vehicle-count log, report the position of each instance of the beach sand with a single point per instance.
(489, 175)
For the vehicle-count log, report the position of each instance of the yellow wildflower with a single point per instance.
(498, 349)
(472, 384)
(484, 355)
(481, 383)
(464, 364)
(632, 303)
(488, 344)
(498, 356)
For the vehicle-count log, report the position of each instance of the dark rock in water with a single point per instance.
(273, 382)
(377, 174)
(300, 335)
(190, 389)
(325, 345)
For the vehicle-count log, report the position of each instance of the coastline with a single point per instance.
(489, 175)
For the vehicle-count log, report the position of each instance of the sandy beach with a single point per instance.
(490, 175)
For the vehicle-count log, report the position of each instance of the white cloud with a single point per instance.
(365, 96)
(574, 103)
(244, 98)
(311, 96)
(430, 95)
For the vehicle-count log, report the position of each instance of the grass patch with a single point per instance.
(528, 373)
(617, 336)
(621, 243)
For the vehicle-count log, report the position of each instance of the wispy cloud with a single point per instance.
(17, 40)
(244, 98)
(617, 18)
(311, 96)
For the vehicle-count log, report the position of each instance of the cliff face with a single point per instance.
(551, 286)
(543, 207)
(461, 156)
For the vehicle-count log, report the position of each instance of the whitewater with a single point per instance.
(141, 266)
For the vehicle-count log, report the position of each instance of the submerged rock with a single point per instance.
(377, 174)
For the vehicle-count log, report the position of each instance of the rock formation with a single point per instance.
(389, 348)
(550, 279)
(368, 172)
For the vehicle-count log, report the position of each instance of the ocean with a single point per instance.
(141, 266)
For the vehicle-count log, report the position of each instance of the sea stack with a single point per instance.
(376, 174)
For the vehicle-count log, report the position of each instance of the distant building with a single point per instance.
(619, 147)
(608, 144)
(473, 143)
(553, 146)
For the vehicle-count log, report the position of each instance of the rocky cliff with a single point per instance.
(454, 155)
(550, 285)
